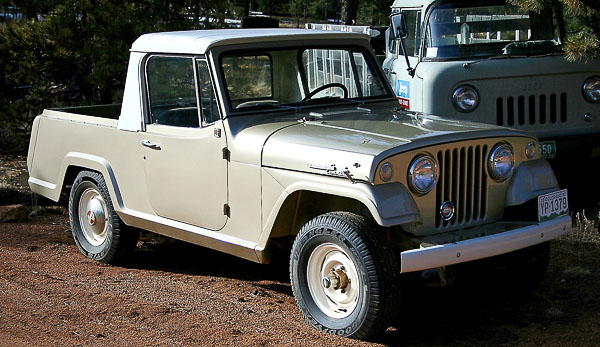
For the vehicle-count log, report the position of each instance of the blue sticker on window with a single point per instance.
(403, 89)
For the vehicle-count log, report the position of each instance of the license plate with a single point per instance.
(548, 149)
(552, 205)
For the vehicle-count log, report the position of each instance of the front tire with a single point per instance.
(344, 277)
(97, 230)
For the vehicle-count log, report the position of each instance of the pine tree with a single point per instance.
(582, 22)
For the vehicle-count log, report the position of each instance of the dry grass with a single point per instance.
(585, 230)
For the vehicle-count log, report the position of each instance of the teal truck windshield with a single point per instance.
(479, 31)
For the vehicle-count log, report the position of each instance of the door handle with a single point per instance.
(149, 144)
(389, 71)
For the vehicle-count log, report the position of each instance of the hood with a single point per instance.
(355, 139)
(515, 92)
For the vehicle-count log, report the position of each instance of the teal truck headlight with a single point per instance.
(591, 89)
(465, 98)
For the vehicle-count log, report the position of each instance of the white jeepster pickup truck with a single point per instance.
(240, 140)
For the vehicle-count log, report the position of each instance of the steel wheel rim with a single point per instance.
(335, 303)
(92, 217)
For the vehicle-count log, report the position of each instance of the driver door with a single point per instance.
(183, 147)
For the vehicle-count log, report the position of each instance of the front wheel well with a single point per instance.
(302, 206)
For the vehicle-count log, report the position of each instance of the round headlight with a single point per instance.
(502, 162)
(422, 174)
(530, 150)
(591, 89)
(386, 172)
(465, 98)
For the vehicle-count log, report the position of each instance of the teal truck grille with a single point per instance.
(463, 181)
(531, 110)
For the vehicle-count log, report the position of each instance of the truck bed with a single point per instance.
(60, 135)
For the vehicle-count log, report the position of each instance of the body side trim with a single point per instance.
(190, 233)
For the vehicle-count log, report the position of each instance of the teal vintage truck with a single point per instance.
(491, 62)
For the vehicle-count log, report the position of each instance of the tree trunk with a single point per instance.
(349, 10)
(246, 8)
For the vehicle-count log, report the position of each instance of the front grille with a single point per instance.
(463, 181)
(532, 110)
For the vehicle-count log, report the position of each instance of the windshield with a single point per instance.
(300, 77)
(455, 31)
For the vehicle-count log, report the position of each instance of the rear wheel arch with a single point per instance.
(74, 166)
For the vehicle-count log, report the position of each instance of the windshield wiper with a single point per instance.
(502, 56)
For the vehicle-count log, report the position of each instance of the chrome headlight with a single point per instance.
(465, 98)
(591, 89)
(386, 172)
(422, 174)
(502, 162)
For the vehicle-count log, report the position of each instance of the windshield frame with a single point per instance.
(465, 3)
(351, 45)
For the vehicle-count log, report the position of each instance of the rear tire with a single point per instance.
(97, 230)
(344, 276)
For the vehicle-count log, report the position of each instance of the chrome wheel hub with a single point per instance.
(92, 217)
(333, 281)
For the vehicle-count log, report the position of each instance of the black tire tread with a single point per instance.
(379, 259)
(123, 238)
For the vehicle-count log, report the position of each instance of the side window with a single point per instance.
(412, 41)
(208, 103)
(172, 91)
(249, 79)
(413, 24)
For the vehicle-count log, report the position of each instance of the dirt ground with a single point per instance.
(175, 294)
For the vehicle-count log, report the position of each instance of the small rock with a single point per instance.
(13, 213)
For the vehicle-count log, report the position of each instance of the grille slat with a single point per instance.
(552, 108)
(531, 110)
(463, 181)
(462, 200)
(470, 183)
(454, 182)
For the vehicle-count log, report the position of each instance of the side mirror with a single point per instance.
(400, 32)
(398, 23)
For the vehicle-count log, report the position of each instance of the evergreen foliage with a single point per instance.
(75, 52)
(582, 22)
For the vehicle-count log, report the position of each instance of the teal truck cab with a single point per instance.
(492, 62)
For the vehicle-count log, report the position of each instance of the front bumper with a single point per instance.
(503, 237)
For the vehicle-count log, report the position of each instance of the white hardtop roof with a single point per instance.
(411, 3)
(200, 41)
